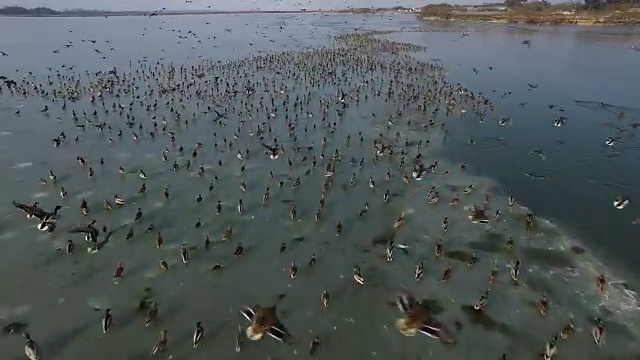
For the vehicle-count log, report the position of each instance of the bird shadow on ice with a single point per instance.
(487, 322)
(490, 242)
(548, 258)
(57, 344)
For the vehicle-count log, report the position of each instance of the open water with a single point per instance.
(573, 178)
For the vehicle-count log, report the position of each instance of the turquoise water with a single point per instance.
(61, 297)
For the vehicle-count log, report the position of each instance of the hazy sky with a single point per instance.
(216, 4)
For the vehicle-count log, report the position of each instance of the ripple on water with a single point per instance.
(7, 235)
(84, 194)
(40, 195)
(11, 313)
(97, 303)
(5, 133)
(23, 165)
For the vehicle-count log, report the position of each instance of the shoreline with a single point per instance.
(540, 20)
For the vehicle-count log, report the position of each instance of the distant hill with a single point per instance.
(18, 10)
(44, 12)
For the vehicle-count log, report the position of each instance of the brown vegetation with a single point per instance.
(538, 13)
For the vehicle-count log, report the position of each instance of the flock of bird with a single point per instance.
(295, 112)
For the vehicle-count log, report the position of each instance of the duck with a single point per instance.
(184, 253)
(296, 184)
(164, 265)
(198, 335)
(142, 174)
(293, 213)
(239, 251)
(509, 243)
(152, 314)
(118, 200)
(473, 260)
(271, 151)
(419, 272)
(567, 331)
(240, 207)
(228, 234)
(610, 141)
(264, 320)
(159, 240)
(481, 303)
(620, 202)
(107, 320)
(29, 210)
(119, 272)
(357, 275)
(528, 222)
(325, 298)
(389, 251)
(339, 227)
(240, 337)
(31, 349)
(162, 342)
(550, 349)
(446, 275)
(91, 233)
(418, 172)
(69, 247)
(47, 225)
(418, 319)
(35, 211)
(293, 270)
(493, 275)
(353, 180)
(399, 221)
(559, 121)
(597, 331)
(313, 347)
(84, 207)
(445, 224)
(477, 215)
(515, 273)
(439, 249)
(107, 205)
(601, 283)
(543, 305)
(364, 210)
(504, 121)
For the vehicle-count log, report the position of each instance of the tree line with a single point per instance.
(589, 4)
